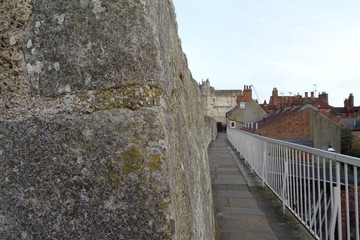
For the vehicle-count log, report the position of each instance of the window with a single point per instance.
(232, 124)
(242, 105)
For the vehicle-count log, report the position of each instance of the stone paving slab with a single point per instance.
(229, 176)
(221, 202)
(227, 169)
(229, 181)
(245, 203)
(251, 223)
(241, 211)
(233, 194)
(246, 235)
(234, 187)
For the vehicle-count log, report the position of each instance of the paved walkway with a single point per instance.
(243, 206)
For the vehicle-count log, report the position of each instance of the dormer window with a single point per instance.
(242, 105)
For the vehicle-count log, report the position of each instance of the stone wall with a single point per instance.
(210, 130)
(101, 124)
(217, 103)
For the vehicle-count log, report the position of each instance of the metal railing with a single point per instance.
(320, 188)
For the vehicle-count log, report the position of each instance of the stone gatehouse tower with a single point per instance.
(217, 103)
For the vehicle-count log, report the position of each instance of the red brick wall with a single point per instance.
(296, 126)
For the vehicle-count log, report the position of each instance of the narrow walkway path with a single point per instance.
(243, 206)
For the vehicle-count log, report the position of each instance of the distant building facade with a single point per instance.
(278, 103)
(246, 110)
(217, 103)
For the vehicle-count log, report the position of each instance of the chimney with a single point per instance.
(275, 92)
(312, 94)
(324, 96)
(346, 105)
(351, 101)
(306, 94)
(247, 93)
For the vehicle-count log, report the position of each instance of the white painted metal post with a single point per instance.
(265, 151)
(314, 222)
(338, 197)
(325, 201)
(308, 189)
(284, 177)
(319, 233)
(347, 202)
(356, 203)
(297, 174)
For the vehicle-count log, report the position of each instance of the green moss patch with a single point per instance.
(133, 159)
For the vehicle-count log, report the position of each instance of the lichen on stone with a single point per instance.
(14, 84)
(154, 163)
(133, 159)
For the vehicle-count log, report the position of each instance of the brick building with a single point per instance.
(283, 101)
(303, 125)
(277, 102)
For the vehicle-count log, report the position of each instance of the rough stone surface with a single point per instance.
(14, 84)
(210, 130)
(102, 134)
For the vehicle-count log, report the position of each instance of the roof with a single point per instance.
(338, 110)
(283, 114)
(351, 123)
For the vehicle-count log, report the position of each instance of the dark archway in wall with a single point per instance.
(221, 127)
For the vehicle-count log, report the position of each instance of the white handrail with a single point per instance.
(320, 188)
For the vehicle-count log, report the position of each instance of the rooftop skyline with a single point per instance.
(297, 47)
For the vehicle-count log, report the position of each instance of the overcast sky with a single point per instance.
(291, 45)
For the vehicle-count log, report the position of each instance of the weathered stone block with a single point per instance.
(93, 176)
(78, 45)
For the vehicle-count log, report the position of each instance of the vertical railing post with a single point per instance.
(265, 150)
(338, 198)
(356, 203)
(336, 209)
(285, 177)
(347, 206)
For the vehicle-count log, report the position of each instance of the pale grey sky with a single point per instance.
(291, 45)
